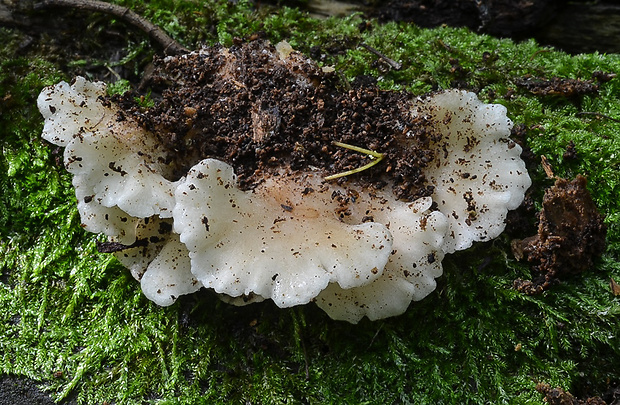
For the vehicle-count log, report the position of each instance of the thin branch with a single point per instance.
(171, 47)
(395, 65)
(598, 115)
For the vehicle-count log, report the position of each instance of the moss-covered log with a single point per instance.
(74, 319)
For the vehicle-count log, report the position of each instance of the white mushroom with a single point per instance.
(69, 109)
(351, 246)
(478, 176)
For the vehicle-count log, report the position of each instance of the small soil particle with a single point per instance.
(570, 153)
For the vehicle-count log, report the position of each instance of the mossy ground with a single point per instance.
(77, 322)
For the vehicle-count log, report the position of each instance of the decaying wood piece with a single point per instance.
(571, 235)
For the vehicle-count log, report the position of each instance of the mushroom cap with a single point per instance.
(117, 176)
(116, 165)
(69, 109)
(410, 272)
(169, 275)
(477, 173)
(282, 240)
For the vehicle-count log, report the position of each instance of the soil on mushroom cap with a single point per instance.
(268, 115)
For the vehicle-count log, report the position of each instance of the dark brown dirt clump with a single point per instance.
(261, 113)
(571, 235)
(558, 396)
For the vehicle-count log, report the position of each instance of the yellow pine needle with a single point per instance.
(375, 157)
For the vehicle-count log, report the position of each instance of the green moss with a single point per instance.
(76, 321)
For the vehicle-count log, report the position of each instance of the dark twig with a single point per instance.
(111, 247)
(390, 61)
(171, 47)
(598, 115)
(547, 167)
